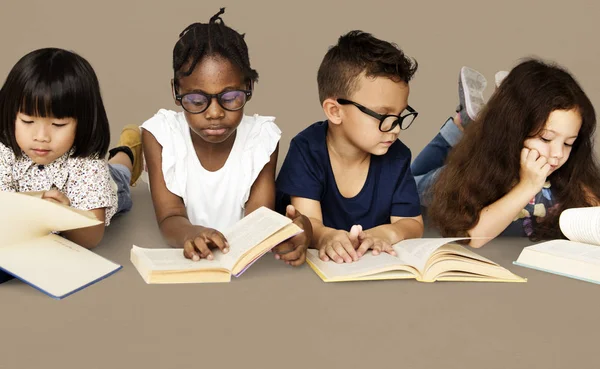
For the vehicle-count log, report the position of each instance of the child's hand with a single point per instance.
(340, 246)
(534, 169)
(368, 241)
(56, 196)
(293, 251)
(201, 241)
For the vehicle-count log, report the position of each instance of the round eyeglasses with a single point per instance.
(386, 122)
(198, 102)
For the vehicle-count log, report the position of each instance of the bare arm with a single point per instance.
(312, 209)
(263, 188)
(169, 208)
(494, 218)
(88, 237)
(399, 229)
(337, 245)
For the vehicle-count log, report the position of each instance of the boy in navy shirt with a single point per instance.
(350, 174)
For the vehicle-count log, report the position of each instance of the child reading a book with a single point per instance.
(210, 165)
(54, 135)
(350, 174)
(512, 167)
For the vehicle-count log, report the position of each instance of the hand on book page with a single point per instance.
(200, 240)
(368, 241)
(249, 239)
(340, 246)
(347, 247)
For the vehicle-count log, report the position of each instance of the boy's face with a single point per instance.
(383, 96)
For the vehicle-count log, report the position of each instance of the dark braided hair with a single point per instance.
(199, 40)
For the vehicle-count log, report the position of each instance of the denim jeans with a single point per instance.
(427, 165)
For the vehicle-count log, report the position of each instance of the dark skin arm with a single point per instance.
(293, 251)
(170, 212)
(197, 241)
(262, 192)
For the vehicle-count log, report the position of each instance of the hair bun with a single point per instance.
(217, 17)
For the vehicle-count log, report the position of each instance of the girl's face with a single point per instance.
(44, 139)
(213, 75)
(554, 142)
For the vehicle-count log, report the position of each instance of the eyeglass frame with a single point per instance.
(381, 117)
(210, 97)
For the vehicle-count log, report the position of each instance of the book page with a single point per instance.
(172, 259)
(367, 265)
(243, 236)
(581, 224)
(570, 250)
(55, 265)
(417, 251)
(454, 250)
(24, 217)
(250, 231)
(451, 267)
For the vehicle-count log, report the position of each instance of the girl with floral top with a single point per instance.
(54, 135)
(514, 166)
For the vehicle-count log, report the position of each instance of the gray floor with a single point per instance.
(276, 316)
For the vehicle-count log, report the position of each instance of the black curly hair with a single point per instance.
(199, 40)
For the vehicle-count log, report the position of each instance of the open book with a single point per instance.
(249, 239)
(578, 257)
(31, 252)
(423, 259)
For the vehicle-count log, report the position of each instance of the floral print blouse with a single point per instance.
(85, 181)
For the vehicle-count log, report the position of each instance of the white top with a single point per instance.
(213, 199)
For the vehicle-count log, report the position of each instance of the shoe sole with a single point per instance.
(499, 77)
(471, 86)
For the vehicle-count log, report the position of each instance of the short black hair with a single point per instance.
(56, 83)
(199, 40)
(357, 52)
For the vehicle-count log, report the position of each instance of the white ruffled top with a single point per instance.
(213, 199)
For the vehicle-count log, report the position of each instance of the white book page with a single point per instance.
(581, 224)
(417, 251)
(172, 259)
(24, 217)
(249, 232)
(570, 250)
(368, 264)
(243, 236)
(54, 264)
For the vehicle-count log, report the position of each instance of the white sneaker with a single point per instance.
(500, 77)
(471, 85)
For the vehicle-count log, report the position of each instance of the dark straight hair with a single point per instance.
(56, 83)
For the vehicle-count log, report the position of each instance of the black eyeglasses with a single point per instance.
(386, 122)
(198, 102)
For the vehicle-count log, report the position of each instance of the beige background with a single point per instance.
(278, 317)
(129, 43)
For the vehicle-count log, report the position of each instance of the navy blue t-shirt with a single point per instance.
(389, 189)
